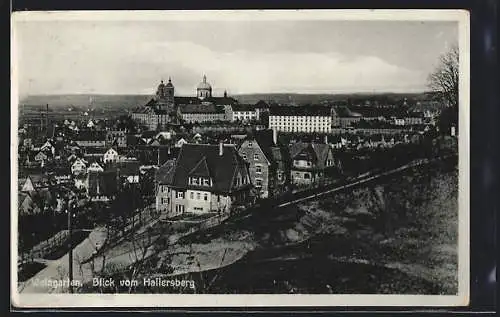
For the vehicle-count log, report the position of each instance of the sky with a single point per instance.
(307, 56)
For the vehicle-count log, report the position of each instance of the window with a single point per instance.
(180, 194)
(198, 196)
(244, 155)
(307, 176)
(205, 197)
(308, 163)
(194, 181)
(256, 157)
(258, 182)
(191, 195)
(206, 182)
(258, 169)
(249, 144)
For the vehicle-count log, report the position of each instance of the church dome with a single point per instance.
(204, 84)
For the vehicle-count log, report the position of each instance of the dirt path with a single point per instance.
(58, 270)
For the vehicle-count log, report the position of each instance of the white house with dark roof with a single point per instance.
(110, 156)
(79, 167)
(95, 167)
(310, 161)
(203, 178)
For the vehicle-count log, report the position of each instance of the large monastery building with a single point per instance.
(167, 108)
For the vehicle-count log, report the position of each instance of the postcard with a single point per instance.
(253, 158)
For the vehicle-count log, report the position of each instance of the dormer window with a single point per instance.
(206, 182)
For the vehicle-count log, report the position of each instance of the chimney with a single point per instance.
(275, 136)
(221, 148)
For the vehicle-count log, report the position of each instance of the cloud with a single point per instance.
(245, 71)
(71, 60)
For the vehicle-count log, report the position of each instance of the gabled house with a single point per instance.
(116, 138)
(110, 156)
(165, 135)
(27, 205)
(128, 171)
(95, 167)
(266, 162)
(148, 136)
(48, 147)
(310, 162)
(41, 157)
(377, 140)
(28, 143)
(79, 167)
(29, 185)
(203, 178)
(91, 138)
(180, 142)
(337, 142)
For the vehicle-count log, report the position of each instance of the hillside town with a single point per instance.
(201, 157)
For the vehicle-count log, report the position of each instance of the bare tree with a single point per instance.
(444, 79)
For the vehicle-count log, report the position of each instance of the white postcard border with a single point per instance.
(185, 300)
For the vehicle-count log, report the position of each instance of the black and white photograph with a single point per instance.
(208, 158)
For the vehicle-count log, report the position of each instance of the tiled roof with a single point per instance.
(220, 168)
(222, 100)
(198, 108)
(149, 134)
(262, 104)
(187, 100)
(165, 174)
(89, 135)
(127, 168)
(243, 107)
(318, 151)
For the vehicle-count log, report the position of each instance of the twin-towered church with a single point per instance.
(165, 106)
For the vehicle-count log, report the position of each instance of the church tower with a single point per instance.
(165, 94)
(169, 92)
(204, 90)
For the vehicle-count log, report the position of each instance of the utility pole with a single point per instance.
(47, 121)
(70, 244)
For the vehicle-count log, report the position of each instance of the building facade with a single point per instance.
(204, 178)
(116, 138)
(310, 161)
(200, 113)
(306, 119)
(266, 162)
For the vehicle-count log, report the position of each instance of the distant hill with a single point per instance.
(130, 101)
(83, 101)
(354, 98)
